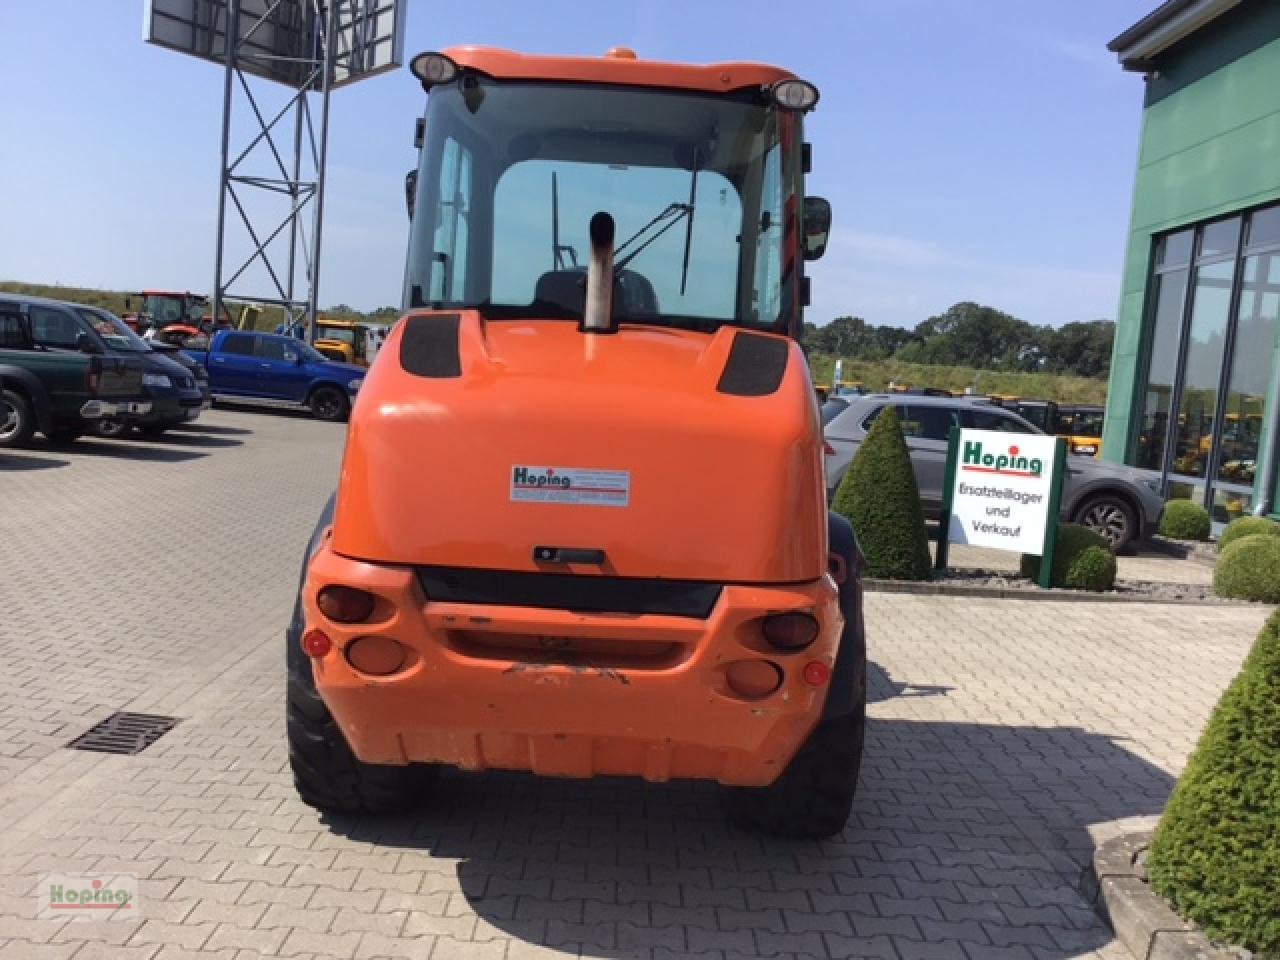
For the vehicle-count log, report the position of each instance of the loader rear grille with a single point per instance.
(562, 591)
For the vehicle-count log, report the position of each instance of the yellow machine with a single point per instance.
(345, 341)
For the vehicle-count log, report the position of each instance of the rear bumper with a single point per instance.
(487, 686)
(96, 409)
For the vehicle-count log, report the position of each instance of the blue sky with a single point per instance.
(973, 149)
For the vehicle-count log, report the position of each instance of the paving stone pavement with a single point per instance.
(1005, 737)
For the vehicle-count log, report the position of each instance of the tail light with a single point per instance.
(345, 604)
(827, 449)
(753, 679)
(790, 631)
(93, 375)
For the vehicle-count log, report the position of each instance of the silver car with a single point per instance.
(1121, 503)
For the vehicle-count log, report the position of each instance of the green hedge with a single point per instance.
(1184, 520)
(879, 496)
(1076, 560)
(1247, 527)
(1248, 568)
(1216, 852)
(1094, 568)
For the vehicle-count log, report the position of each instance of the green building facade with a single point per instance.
(1195, 374)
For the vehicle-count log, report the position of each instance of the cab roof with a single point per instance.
(619, 66)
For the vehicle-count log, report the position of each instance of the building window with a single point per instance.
(1211, 348)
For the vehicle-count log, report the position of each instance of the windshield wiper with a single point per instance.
(688, 226)
(668, 218)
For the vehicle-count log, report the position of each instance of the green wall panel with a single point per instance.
(1210, 148)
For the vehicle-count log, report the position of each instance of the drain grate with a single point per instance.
(125, 733)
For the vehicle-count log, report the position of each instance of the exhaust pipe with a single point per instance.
(597, 314)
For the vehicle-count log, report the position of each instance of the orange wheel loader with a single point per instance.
(581, 527)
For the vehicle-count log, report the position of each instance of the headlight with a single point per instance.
(354, 385)
(156, 380)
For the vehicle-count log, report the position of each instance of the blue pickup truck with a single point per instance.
(265, 366)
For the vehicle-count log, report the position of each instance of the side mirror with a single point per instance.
(410, 191)
(817, 227)
(85, 344)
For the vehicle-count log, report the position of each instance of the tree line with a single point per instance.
(972, 335)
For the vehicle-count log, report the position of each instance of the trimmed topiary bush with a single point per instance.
(1248, 527)
(1248, 568)
(1184, 520)
(879, 496)
(1094, 568)
(1216, 852)
(1074, 541)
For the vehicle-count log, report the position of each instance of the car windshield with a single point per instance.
(339, 334)
(832, 409)
(112, 330)
(310, 353)
(698, 185)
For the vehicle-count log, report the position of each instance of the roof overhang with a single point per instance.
(1170, 23)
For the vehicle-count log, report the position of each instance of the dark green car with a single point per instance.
(58, 392)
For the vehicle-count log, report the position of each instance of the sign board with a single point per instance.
(279, 39)
(1002, 492)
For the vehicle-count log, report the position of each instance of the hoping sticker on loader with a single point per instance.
(603, 488)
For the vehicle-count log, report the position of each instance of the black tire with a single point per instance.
(1110, 516)
(813, 796)
(327, 774)
(17, 421)
(153, 429)
(111, 428)
(329, 403)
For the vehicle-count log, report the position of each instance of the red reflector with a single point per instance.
(345, 604)
(316, 643)
(790, 631)
(828, 449)
(816, 673)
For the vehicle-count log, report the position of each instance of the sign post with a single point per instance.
(1003, 491)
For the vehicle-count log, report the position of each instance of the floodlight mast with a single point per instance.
(310, 47)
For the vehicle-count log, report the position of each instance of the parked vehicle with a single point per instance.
(173, 393)
(60, 393)
(268, 366)
(171, 385)
(193, 367)
(346, 341)
(619, 610)
(1081, 424)
(1121, 503)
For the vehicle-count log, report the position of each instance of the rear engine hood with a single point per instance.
(677, 454)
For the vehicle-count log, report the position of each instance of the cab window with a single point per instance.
(275, 350)
(993, 420)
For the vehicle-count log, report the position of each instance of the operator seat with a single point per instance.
(633, 294)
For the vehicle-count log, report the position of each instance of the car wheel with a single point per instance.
(328, 403)
(1111, 517)
(153, 429)
(111, 428)
(326, 774)
(16, 421)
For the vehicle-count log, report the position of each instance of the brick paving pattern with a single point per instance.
(1005, 738)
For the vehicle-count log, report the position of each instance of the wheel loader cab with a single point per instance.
(581, 526)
